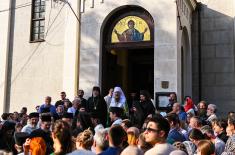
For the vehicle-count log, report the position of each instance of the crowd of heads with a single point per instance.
(118, 125)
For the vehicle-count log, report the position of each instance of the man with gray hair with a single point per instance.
(211, 110)
(100, 141)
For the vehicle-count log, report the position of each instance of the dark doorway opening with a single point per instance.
(141, 70)
(131, 69)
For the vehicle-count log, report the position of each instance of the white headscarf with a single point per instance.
(122, 96)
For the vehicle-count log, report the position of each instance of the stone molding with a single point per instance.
(192, 4)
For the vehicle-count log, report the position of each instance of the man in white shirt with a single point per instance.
(115, 114)
(33, 121)
(156, 134)
(75, 107)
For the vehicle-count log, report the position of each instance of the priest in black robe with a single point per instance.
(97, 103)
(142, 109)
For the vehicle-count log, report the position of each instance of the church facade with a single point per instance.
(180, 46)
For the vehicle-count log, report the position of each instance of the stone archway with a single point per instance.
(119, 59)
(186, 65)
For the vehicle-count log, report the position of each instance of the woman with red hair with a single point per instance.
(35, 146)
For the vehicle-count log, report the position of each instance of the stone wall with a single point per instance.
(46, 68)
(4, 27)
(217, 54)
(35, 70)
(165, 42)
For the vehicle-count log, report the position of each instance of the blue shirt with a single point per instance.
(112, 151)
(175, 136)
(51, 107)
(182, 116)
(28, 128)
(81, 152)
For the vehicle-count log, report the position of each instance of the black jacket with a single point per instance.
(98, 104)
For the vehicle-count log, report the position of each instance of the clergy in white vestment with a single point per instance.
(119, 100)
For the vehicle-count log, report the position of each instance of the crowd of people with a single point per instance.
(113, 125)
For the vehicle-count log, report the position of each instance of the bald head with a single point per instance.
(47, 100)
(134, 130)
(132, 150)
(176, 107)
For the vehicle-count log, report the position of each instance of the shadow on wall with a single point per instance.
(214, 77)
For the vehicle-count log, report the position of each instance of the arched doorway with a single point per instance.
(127, 58)
(186, 65)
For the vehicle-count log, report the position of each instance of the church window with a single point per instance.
(37, 21)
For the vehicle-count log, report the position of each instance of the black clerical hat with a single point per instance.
(33, 114)
(37, 133)
(46, 118)
(116, 110)
(20, 138)
(68, 115)
(96, 88)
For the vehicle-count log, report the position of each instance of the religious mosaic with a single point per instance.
(130, 29)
